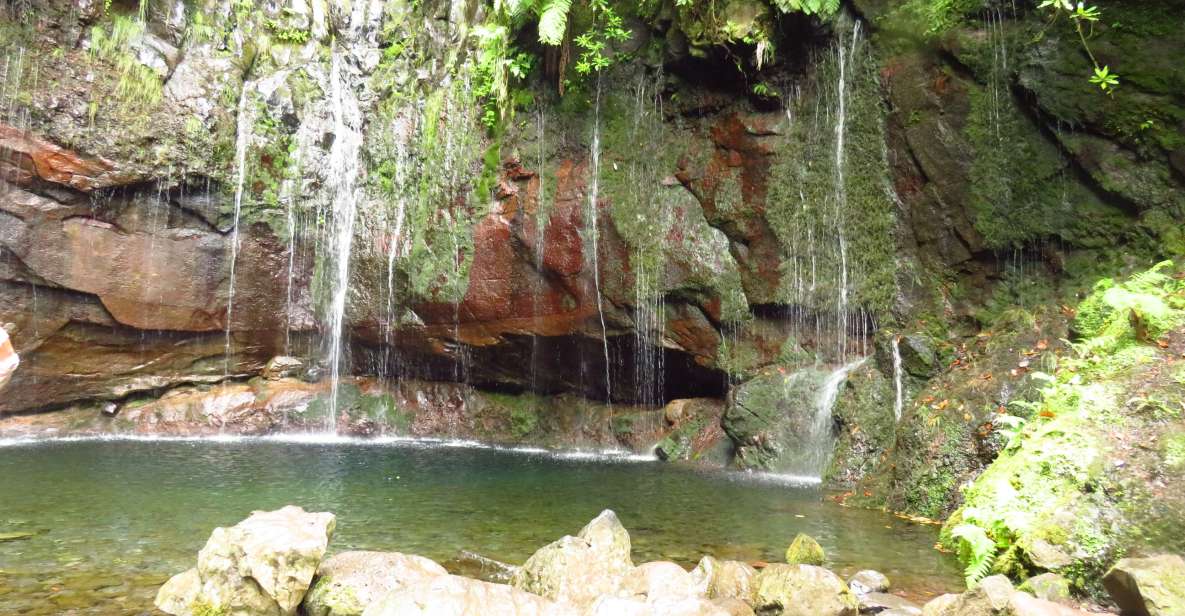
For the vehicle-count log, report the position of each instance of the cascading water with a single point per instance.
(591, 214)
(821, 437)
(898, 379)
(344, 158)
(245, 121)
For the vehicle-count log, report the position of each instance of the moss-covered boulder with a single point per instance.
(769, 418)
(804, 550)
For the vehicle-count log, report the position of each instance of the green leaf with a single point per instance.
(553, 21)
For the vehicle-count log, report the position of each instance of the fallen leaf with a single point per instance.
(1046, 413)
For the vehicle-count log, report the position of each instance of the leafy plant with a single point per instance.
(976, 549)
(1083, 17)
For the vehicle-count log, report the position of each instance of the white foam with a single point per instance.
(782, 478)
(318, 438)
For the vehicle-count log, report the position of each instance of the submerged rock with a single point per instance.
(1153, 586)
(804, 550)
(802, 590)
(349, 582)
(474, 565)
(262, 565)
(452, 595)
(579, 569)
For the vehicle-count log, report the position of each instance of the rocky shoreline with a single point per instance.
(275, 563)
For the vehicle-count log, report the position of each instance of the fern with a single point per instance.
(810, 7)
(553, 21)
(976, 549)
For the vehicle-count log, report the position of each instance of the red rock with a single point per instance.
(27, 157)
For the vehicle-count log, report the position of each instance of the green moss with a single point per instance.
(1174, 452)
(1049, 490)
(202, 607)
(678, 445)
(805, 205)
(1020, 190)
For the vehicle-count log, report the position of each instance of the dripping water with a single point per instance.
(898, 377)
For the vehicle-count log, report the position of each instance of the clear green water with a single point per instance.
(113, 519)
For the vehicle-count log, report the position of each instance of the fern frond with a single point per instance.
(976, 549)
(553, 21)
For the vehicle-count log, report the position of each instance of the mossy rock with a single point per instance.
(804, 550)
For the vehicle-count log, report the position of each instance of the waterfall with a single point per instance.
(593, 190)
(841, 197)
(245, 121)
(899, 401)
(821, 438)
(343, 175)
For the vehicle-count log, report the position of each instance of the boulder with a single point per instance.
(686, 606)
(1024, 604)
(347, 583)
(1048, 586)
(1153, 586)
(942, 604)
(864, 582)
(804, 550)
(725, 579)
(802, 590)
(579, 569)
(659, 580)
(880, 602)
(995, 596)
(451, 595)
(262, 565)
(9, 360)
(991, 597)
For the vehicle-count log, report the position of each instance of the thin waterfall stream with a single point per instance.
(344, 169)
(244, 124)
(592, 213)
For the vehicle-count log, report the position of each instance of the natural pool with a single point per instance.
(112, 520)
